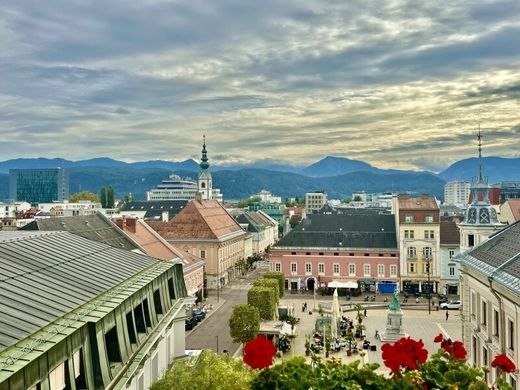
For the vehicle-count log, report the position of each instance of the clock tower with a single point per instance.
(205, 181)
(481, 218)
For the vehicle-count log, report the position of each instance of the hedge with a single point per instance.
(263, 298)
(281, 280)
(270, 283)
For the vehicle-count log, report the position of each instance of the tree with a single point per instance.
(249, 201)
(263, 298)
(270, 283)
(244, 323)
(208, 371)
(280, 277)
(128, 198)
(106, 195)
(83, 195)
(357, 198)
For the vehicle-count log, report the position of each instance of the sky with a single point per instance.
(398, 84)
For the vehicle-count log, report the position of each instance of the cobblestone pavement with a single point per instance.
(417, 323)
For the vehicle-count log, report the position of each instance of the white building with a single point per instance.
(456, 193)
(314, 201)
(267, 197)
(66, 209)
(10, 209)
(490, 284)
(176, 188)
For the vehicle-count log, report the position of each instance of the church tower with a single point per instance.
(481, 218)
(205, 182)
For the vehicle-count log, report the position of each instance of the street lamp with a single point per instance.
(428, 262)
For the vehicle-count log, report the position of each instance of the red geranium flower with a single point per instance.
(405, 353)
(456, 349)
(438, 338)
(503, 363)
(258, 353)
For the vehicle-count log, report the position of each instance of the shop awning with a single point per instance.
(337, 284)
(366, 281)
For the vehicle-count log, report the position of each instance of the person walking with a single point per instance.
(365, 313)
(447, 315)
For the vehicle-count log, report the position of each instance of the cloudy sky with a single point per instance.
(399, 84)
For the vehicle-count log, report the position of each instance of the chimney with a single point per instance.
(119, 223)
(165, 216)
(130, 223)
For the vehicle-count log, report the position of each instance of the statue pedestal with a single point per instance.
(394, 326)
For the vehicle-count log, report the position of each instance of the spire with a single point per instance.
(479, 138)
(204, 159)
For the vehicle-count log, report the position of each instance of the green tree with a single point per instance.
(263, 298)
(207, 372)
(106, 195)
(244, 323)
(249, 201)
(269, 283)
(128, 198)
(357, 198)
(280, 277)
(83, 195)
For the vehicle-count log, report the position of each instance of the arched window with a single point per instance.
(202, 185)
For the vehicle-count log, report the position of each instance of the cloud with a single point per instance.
(400, 83)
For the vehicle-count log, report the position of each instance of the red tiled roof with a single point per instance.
(422, 202)
(199, 219)
(450, 234)
(514, 204)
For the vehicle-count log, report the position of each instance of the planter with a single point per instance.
(349, 353)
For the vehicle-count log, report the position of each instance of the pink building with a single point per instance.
(357, 248)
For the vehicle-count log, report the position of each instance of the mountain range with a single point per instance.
(337, 175)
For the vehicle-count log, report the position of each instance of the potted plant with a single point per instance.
(359, 330)
(327, 346)
(307, 345)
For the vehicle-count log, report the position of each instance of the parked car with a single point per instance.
(190, 323)
(199, 315)
(450, 305)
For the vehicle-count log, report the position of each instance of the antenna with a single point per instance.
(479, 138)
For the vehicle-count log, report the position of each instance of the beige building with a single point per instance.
(456, 193)
(314, 201)
(490, 281)
(205, 229)
(418, 234)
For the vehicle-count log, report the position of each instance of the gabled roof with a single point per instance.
(44, 275)
(450, 234)
(498, 257)
(94, 227)
(422, 202)
(514, 204)
(343, 231)
(254, 224)
(156, 246)
(154, 208)
(200, 219)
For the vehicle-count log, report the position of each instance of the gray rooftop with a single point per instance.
(46, 275)
(343, 231)
(95, 227)
(155, 208)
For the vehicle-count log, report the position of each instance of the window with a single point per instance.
(380, 270)
(427, 252)
(293, 253)
(308, 268)
(428, 234)
(484, 313)
(496, 322)
(351, 254)
(79, 369)
(130, 328)
(57, 378)
(336, 254)
(412, 268)
(471, 240)
(352, 269)
(171, 289)
(294, 268)
(451, 253)
(393, 270)
(485, 362)
(366, 269)
(321, 253)
(408, 218)
(474, 349)
(510, 334)
(112, 344)
(277, 267)
(307, 253)
(473, 305)
(428, 218)
(335, 269)
(408, 234)
(202, 254)
(321, 268)
(452, 271)
(367, 254)
(411, 252)
(157, 304)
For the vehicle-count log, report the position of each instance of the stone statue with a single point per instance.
(394, 304)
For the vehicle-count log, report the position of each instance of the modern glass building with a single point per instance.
(39, 185)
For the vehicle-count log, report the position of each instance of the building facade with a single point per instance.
(450, 247)
(67, 209)
(490, 281)
(418, 234)
(39, 185)
(113, 321)
(205, 229)
(325, 248)
(456, 193)
(175, 188)
(314, 201)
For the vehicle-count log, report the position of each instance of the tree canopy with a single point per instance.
(244, 323)
(83, 195)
